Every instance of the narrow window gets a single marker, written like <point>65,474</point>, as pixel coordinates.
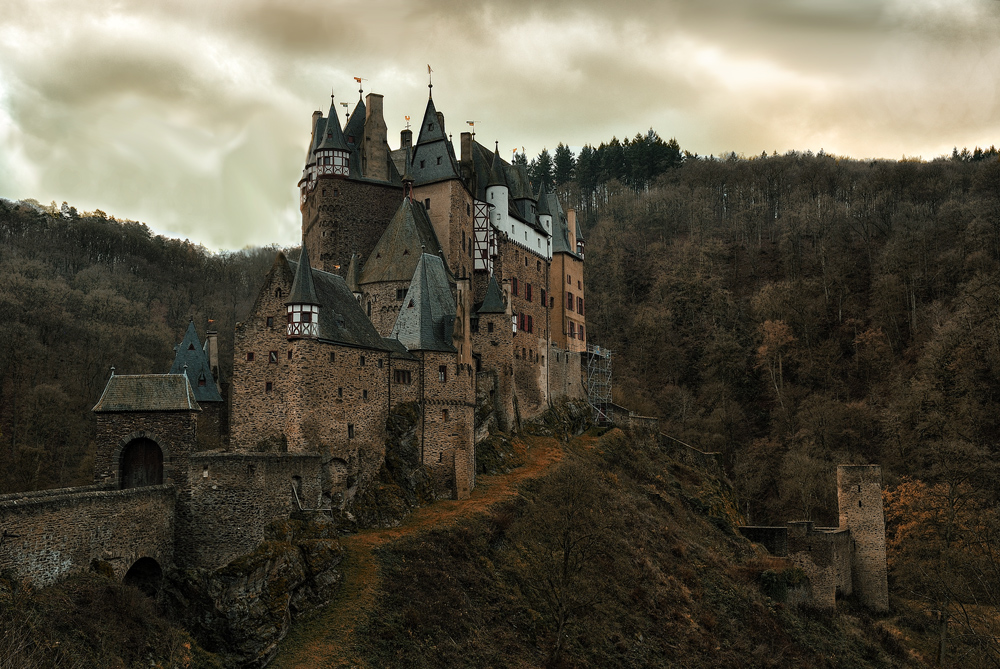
<point>364,395</point>
<point>289,354</point>
<point>350,431</point>
<point>277,293</point>
<point>513,286</point>
<point>489,326</point>
<point>250,356</point>
<point>268,387</point>
<point>378,363</point>
<point>333,357</point>
<point>272,357</point>
<point>421,164</point>
<point>439,160</point>
<point>400,294</point>
<point>468,209</point>
<point>579,305</point>
<point>569,279</point>
<point>569,301</point>
<point>572,330</point>
<point>444,414</point>
<point>579,285</point>
<point>427,204</point>
<point>369,309</point>
<point>581,333</point>
<point>443,373</point>
<point>270,321</point>
<point>340,392</point>
<point>362,361</point>
<point>543,298</point>
<point>531,327</point>
<point>201,380</point>
<point>538,265</point>
<point>527,292</point>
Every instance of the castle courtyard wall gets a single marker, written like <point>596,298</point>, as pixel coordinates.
<point>234,496</point>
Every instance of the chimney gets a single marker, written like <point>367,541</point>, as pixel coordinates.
<point>571,225</point>
<point>466,148</point>
<point>212,343</point>
<point>440,118</point>
<point>376,140</point>
<point>405,138</point>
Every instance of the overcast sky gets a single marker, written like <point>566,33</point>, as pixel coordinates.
<point>193,115</point>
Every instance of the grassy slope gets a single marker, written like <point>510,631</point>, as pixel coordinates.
<point>660,579</point>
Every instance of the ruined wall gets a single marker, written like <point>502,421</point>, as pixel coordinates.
<point>824,555</point>
<point>859,494</point>
<point>341,217</point>
<point>235,495</point>
<point>51,534</point>
<point>493,343</point>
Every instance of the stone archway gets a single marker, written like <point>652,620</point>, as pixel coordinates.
<point>145,574</point>
<point>141,464</point>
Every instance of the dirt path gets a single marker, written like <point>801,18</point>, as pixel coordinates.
<point>327,640</point>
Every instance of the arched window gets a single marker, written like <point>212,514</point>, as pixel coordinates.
<point>141,464</point>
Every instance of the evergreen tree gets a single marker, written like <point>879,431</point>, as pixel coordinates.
<point>540,170</point>
<point>565,166</point>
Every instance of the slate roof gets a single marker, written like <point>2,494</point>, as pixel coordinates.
<point>147,392</point>
<point>560,228</point>
<point>333,137</point>
<point>434,150</point>
<point>341,318</point>
<point>543,202</point>
<point>191,359</point>
<point>427,318</point>
<point>493,302</point>
<point>498,176</point>
<point>355,126</point>
<point>303,287</point>
<point>397,350</point>
<point>397,251</point>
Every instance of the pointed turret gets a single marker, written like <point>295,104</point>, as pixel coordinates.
<point>333,153</point>
<point>433,155</point>
<point>303,304</point>
<point>493,302</point>
<point>497,192</point>
<point>191,360</point>
<point>497,176</point>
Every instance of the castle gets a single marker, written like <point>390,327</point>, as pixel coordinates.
<point>447,282</point>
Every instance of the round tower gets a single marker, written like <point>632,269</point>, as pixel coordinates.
<point>497,191</point>
<point>333,154</point>
<point>302,304</point>
<point>859,493</point>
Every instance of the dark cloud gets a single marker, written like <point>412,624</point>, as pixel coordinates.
<point>193,116</point>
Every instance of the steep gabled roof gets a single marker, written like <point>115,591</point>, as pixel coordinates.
<point>493,302</point>
<point>560,228</point>
<point>427,318</point>
<point>303,287</point>
<point>398,250</point>
<point>341,318</point>
<point>355,126</point>
<point>430,128</point>
<point>191,359</point>
<point>497,172</point>
<point>147,392</point>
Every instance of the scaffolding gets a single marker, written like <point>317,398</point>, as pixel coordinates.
<point>599,382</point>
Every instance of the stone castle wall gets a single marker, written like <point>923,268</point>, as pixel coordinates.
<point>49,535</point>
<point>234,496</point>
<point>565,375</point>
<point>384,303</point>
<point>451,215</point>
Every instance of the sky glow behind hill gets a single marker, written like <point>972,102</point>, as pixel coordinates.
<point>193,116</point>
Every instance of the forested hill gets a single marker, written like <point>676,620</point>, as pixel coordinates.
<point>80,293</point>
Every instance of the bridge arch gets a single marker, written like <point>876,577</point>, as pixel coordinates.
<point>145,574</point>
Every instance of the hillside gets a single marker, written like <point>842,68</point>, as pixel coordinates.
<point>614,554</point>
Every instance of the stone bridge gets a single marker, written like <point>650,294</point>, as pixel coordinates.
<point>50,534</point>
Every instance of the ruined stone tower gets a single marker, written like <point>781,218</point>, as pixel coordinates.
<point>859,493</point>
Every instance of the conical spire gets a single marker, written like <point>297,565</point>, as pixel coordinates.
<point>333,137</point>
<point>430,128</point>
<point>493,302</point>
<point>543,201</point>
<point>303,288</point>
<point>497,177</point>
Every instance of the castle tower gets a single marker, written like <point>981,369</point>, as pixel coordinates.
<point>859,493</point>
<point>302,303</point>
<point>497,192</point>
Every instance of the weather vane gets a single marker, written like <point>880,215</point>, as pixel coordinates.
<point>360,89</point>
<point>407,122</point>
<point>473,124</point>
